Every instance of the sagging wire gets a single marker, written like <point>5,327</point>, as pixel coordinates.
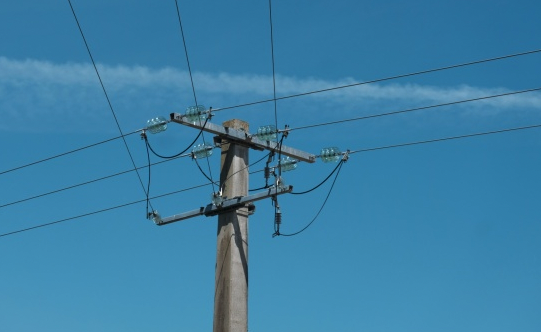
<point>154,213</point>
<point>272,170</point>
<point>203,172</point>
<point>338,169</point>
<point>278,183</point>
<point>325,180</point>
<point>267,172</point>
<point>144,136</point>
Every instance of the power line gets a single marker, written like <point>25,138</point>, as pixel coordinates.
<point>273,70</point>
<point>416,109</point>
<point>339,168</point>
<point>320,184</point>
<point>67,153</point>
<point>447,138</point>
<point>383,79</point>
<point>297,128</point>
<point>85,183</point>
<point>113,207</point>
<point>318,91</point>
<point>350,152</point>
<point>107,97</point>
<point>98,211</point>
<point>191,79</point>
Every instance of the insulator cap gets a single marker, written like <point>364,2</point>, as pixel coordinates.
<point>157,125</point>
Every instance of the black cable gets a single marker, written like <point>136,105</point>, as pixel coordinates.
<point>180,153</point>
<point>351,152</point>
<point>447,138</point>
<point>292,96</point>
<point>107,97</point>
<point>203,172</point>
<point>322,206</point>
<point>417,108</point>
<point>273,70</point>
<point>80,184</point>
<point>67,153</point>
<point>242,169</point>
<point>322,182</point>
<point>99,211</point>
<point>148,183</point>
<point>382,79</point>
<point>191,80</point>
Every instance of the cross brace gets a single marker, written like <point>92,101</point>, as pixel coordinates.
<point>241,137</point>
<point>228,204</point>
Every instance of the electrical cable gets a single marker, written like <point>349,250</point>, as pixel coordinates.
<point>273,68</point>
<point>447,138</point>
<point>107,97</point>
<point>203,172</point>
<point>242,169</point>
<point>143,134</point>
<point>278,180</point>
<point>98,211</point>
<point>340,164</point>
<point>67,153</point>
<point>292,96</point>
<point>178,154</point>
<point>417,109</point>
<point>351,152</point>
<point>85,183</point>
<point>229,177</point>
<point>298,128</point>
<point>319,185</point>
<point>389,78</point>
<point>191,80</point>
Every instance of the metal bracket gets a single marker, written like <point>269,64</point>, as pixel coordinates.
<point>227,205</point>
<point>244,138</point>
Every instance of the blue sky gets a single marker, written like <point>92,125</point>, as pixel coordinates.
<point>430,237</point>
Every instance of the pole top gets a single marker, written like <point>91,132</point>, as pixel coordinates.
<point>237,124</point>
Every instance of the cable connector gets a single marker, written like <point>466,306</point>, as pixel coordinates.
<point>217,198</point>
<point>285,132</point>
<point>345,157</point>
<point>143,134</point>
<point>278,217</point>
<point>155,216</point>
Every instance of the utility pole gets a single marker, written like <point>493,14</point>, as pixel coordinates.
<point>231,284</point>
<point>231,280</point>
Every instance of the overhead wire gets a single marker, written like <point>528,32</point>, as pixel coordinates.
<point>349,152</point>
<point>364,117</point>
<point>98,211</point>
<point>339,168</point>
<point>290,129</point>
<point>447,138</point>
<point>66,153</point>
<point>177,154</point>
<point>388,78</point>
<point>86,183</point>
<point>191,79</point>
<point>314,92</point>
<point>320,184</point>
<point>295,128</point>
<point>107,97</point>
<point>273,67</point>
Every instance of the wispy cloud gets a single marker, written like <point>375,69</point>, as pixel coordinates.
<point>32,89</point>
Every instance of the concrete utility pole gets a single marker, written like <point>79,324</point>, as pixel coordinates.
<point>231,294</point>
<point>231,281</point>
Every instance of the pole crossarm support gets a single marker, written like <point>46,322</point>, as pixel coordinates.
<point>245,138</point>
<point>227,205</point>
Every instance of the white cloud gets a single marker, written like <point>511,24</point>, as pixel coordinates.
<point>30,88</point>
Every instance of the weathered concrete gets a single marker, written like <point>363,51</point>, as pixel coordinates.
<point>231,283</point>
